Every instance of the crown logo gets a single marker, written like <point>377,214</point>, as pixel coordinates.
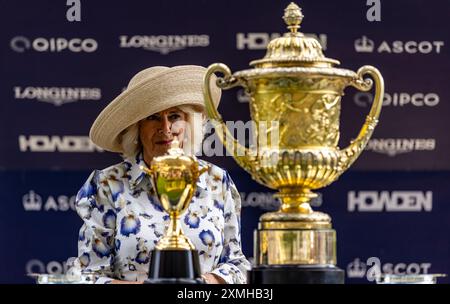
<point>356,269</point>
<point>364,45</point>
<point>32,201</point>
<point>57,101</point>
<point>242,96</point>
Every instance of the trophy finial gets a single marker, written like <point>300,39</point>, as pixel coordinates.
<point>293,48</point>
<point>175,149</point>
<point>293,17</point>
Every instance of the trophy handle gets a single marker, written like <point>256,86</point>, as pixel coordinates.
<point>351,153</point>
<point>146,170</point>
<point>203,170</point>
<point>239,152</point>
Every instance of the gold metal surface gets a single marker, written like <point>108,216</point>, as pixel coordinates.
<point>299,89</point>
<point>292,247</point>
<point>174,177</point>
<point>294,47</point>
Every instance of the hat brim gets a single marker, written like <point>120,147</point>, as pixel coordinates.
<point>181,85</point>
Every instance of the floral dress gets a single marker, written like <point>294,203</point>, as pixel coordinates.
<point>123,220</point>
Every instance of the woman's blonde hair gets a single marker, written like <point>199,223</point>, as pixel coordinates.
<point>192,142</point>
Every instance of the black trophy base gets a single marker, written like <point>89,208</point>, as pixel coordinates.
<point>174,267</point>
<point>295,274</point>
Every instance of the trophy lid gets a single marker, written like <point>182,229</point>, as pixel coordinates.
<point>294,49</point>
<point>174,156</point>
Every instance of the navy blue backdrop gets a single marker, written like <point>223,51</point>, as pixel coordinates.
<point>57,75</point>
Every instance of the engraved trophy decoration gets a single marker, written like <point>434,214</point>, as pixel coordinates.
<point>299,89</point>
<point>174,177</point>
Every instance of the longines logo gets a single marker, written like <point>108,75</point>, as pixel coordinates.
<point>266,200</point>
<point>259,41</point>
<point>365,99</point>
<point>366,45</point>
<point>263,200</point>
<point>21,44</point>
<point>45,143</point>
<point>33,202</point>
<point>395,146</point>
<point>57,95</point>
<point>373,268</point>
<point>389,201</point>
<point>164,44</point>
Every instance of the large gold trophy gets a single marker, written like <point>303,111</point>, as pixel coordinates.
<point>174,177</point>
<point>295,100</point>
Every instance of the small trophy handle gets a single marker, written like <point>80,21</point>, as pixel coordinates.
<point>146,170</point>
<point>203,170</point>
<point>239,152</point>
<point>351,153</point>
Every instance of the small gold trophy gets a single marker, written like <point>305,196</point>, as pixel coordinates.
<point>295,100</point>
<point>174,177</point>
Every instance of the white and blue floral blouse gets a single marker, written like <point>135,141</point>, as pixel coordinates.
<point>123,220</point>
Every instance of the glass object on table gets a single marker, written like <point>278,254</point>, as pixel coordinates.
<point>45,278</point>
<point>408,278</point>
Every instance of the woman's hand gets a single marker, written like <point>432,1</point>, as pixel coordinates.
<point>211,278</point>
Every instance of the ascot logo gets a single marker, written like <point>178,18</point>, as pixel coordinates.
<point>33,202</point>
<point>395,146</point>
<point>360,269</point>
<point>54,143</point>
<point>259,41</point>
<point>57,95</point>
<point>164,44</point>
<point>389,201</point>
<point>365,99</point>
<point>21,44</point>
<point>366,45</point>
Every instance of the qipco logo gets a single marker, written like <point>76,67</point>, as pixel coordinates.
<point>52,267</point>
<point>21,44</point>
<point>364,99</point>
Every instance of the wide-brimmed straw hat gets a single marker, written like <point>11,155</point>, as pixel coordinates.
<point>150,91</point>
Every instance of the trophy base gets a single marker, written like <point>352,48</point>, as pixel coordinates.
<point>174,267</point>
<point>296,274</point>
<point>295,246</point>
<point>295,239</point>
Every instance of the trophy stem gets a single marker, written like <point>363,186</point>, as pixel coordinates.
<point>174,226</point>
<point>294,200</point>
<point>174,238</point>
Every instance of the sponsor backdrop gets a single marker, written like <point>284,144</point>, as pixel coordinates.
<point>392,207</point>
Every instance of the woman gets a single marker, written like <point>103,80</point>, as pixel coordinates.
<point>123,219</point>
